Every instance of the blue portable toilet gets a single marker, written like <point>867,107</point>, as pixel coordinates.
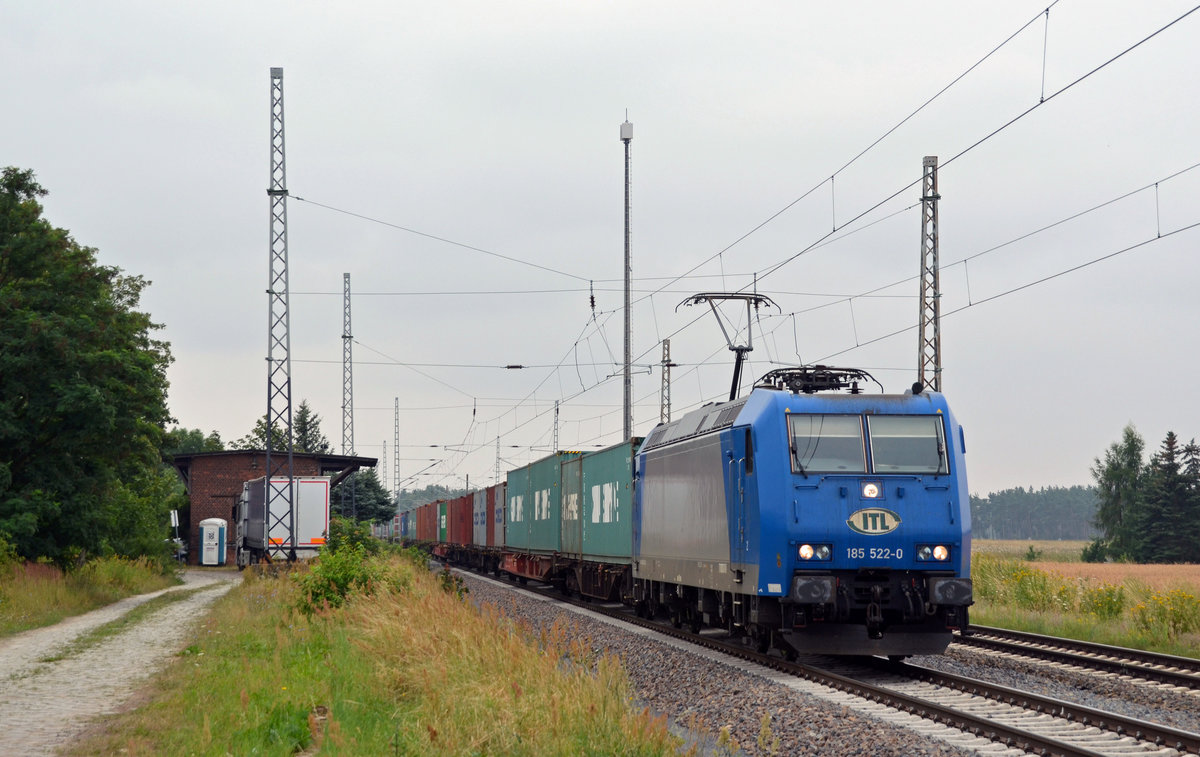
<point>212,541</point>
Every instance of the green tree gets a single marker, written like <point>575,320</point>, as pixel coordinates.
<point>1119,488</point>
<point>306,430</point>
<point>1191,473</point>
<point>1166,517</point>
<point>361,497</point>
<point>82,390</point>
<point>185,441</point>
<point>257,438</point>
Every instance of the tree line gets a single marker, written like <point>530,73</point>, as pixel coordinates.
<point>1149,510</point>
<point>1048,513</point>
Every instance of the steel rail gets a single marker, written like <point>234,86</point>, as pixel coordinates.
<point>979,726</point>
<point>1160,735</point>
<point>1151,666</point>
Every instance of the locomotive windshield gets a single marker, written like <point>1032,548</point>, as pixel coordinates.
<point>908,444</point>
<point>827,444</point>
<point>898,444</point>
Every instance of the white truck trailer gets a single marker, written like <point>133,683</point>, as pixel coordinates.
<point>310,505</point>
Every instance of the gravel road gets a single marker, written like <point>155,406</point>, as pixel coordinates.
<point>46,704</point>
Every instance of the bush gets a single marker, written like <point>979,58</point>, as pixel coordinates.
<point>1097,551</point>
<point>345,533</point>
<point>1105,601</point>
<point>334,575</point>
<point>1167,614</point>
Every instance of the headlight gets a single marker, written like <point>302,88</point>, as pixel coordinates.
<point>815,551</point>
<point>870,490</point>
<point>933,553</point>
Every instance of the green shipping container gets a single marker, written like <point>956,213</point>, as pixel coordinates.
<point>572,505</point>
<point>606,515</point>
<point>534,519</point>
<point>442,522</point>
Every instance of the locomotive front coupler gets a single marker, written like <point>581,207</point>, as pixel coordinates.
<point>875,614</point>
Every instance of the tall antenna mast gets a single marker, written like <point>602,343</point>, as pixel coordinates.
<point>929,354</point>
<point>281,519</point>
<point>627,137</point>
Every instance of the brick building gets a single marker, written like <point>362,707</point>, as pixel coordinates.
<point>214,482</point>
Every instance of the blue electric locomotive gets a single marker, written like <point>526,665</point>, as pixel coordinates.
<point>835,523</point>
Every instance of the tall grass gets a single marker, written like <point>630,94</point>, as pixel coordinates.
<point>402,667</point>
<point>1014,594</point>
<point>33,595</point>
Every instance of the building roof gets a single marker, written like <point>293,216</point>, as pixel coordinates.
<point>337,466</point>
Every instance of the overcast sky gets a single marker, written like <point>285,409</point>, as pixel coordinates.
<point>495,126</point>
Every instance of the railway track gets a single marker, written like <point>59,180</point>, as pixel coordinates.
<point>1016,719</point>
<point>1180,672</point>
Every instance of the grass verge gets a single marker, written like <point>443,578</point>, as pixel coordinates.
<point>1016,594</point>
<point>34,595</point>
<point>406,666</point>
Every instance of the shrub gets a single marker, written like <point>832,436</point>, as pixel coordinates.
<point>346,533</point>
<point>1097,551</point>
<point>1105,601</point>
<point>1167,615</point>
<point>334,575</point>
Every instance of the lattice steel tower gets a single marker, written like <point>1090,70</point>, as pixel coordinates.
<point>929,355</point>
<point>281,525</point>
<point>347,372</point>
<point>664,395</point>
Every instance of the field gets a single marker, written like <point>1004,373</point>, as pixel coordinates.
<point>1041,586</point>
<point>1062,557</point>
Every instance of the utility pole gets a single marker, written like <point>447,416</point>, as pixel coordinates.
<point>348,388</point>
<point>281,518</point>
<point>627,137</point>
<point>383,471</point>
<point>664,396</point>
<point>929,354</point>
<point>396,453</point>
<point>555,442</point>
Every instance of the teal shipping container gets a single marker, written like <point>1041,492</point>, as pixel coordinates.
<point>606,497</point>
<point>534,518</point>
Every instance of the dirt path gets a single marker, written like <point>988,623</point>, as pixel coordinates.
<point>43,705</point>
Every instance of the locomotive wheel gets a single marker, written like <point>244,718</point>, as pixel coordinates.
<point>762,639</point>
<point>695,623</point>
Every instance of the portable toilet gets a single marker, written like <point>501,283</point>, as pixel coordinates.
<point>212,541</point>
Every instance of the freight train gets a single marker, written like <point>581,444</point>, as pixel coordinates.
<point>808,516</point>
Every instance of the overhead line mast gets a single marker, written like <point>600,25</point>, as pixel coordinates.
<point>929,355</point>
<point>281,522</point>
<point>348,392</point>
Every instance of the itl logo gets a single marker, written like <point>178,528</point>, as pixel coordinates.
<point>873,521</point>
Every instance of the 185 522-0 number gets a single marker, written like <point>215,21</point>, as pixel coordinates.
<point>875,553</point>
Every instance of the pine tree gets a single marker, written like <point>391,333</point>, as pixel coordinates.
<point>1165,517</point>
<point>306,427</point>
